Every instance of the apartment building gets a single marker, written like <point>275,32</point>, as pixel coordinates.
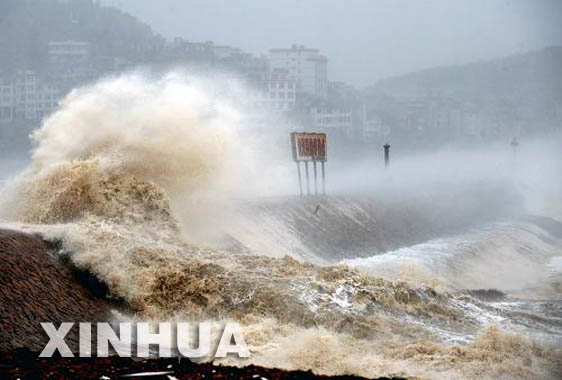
<point>307,65</point>
<point>328,118</point>
<point>68,54</point>
<point>24,96</point>
<point>279,90</point>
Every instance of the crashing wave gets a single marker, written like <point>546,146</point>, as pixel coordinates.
<point>130,170</point>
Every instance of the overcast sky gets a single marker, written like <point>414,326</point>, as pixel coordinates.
<point>364,40</point>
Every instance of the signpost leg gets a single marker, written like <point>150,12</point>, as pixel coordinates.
<point>315,179</point>
<point>323,180</point>
<point>307,181</point>
<point>300,179</point>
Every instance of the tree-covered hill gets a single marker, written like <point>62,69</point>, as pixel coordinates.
<point>26,27</point>
<point>527,78</point>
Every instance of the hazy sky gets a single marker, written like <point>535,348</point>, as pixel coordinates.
<point>364,40</point>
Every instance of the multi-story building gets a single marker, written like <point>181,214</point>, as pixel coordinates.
<point>223,51</point>
<point>71,63</point>
<point>184,49</point>
<point>307,65</point>
<point>25,86</point>
<point>46,100</point>
<point>278,90</point>
<point>7,100</point>
<point>335,119</point>
<point>68,54</point>
<point>24,96</point>
<point>373,128</point>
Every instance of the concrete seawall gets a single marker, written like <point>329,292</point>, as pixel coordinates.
<point>328,229</point>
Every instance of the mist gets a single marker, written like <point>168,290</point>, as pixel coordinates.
<point>365,40</point>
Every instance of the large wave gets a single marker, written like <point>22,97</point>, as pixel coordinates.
<point>131,174</point>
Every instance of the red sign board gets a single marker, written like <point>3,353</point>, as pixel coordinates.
<point>309,146</point>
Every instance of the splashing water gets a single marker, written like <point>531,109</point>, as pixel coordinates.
<point>129,173</point>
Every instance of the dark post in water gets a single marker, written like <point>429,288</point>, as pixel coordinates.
<point>514,145</point>
<point>386,154</point>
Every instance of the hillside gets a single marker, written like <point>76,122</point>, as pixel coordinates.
<point>528,77</point>
<point>26,27</point>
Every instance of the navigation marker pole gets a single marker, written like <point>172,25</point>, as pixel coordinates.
<point>386,154</point>
<point>514,145</point>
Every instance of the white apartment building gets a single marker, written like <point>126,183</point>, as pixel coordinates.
<point>222,51</point>
<point>203,49</point>
<point>374,128</point>
<point>308,66</point>
<point>278,91</point>
<point>7,101</point>
<point>23,96</point>
<point>68,54</point>
<point>327,118</point>
<point>46,100</point>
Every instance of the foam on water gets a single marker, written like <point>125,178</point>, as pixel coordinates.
<point>509,256</point>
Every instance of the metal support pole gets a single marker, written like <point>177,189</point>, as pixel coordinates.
<point>315,179</point>
<point>307,181</point>
<point>323,180</point>
<point>300,179</point>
